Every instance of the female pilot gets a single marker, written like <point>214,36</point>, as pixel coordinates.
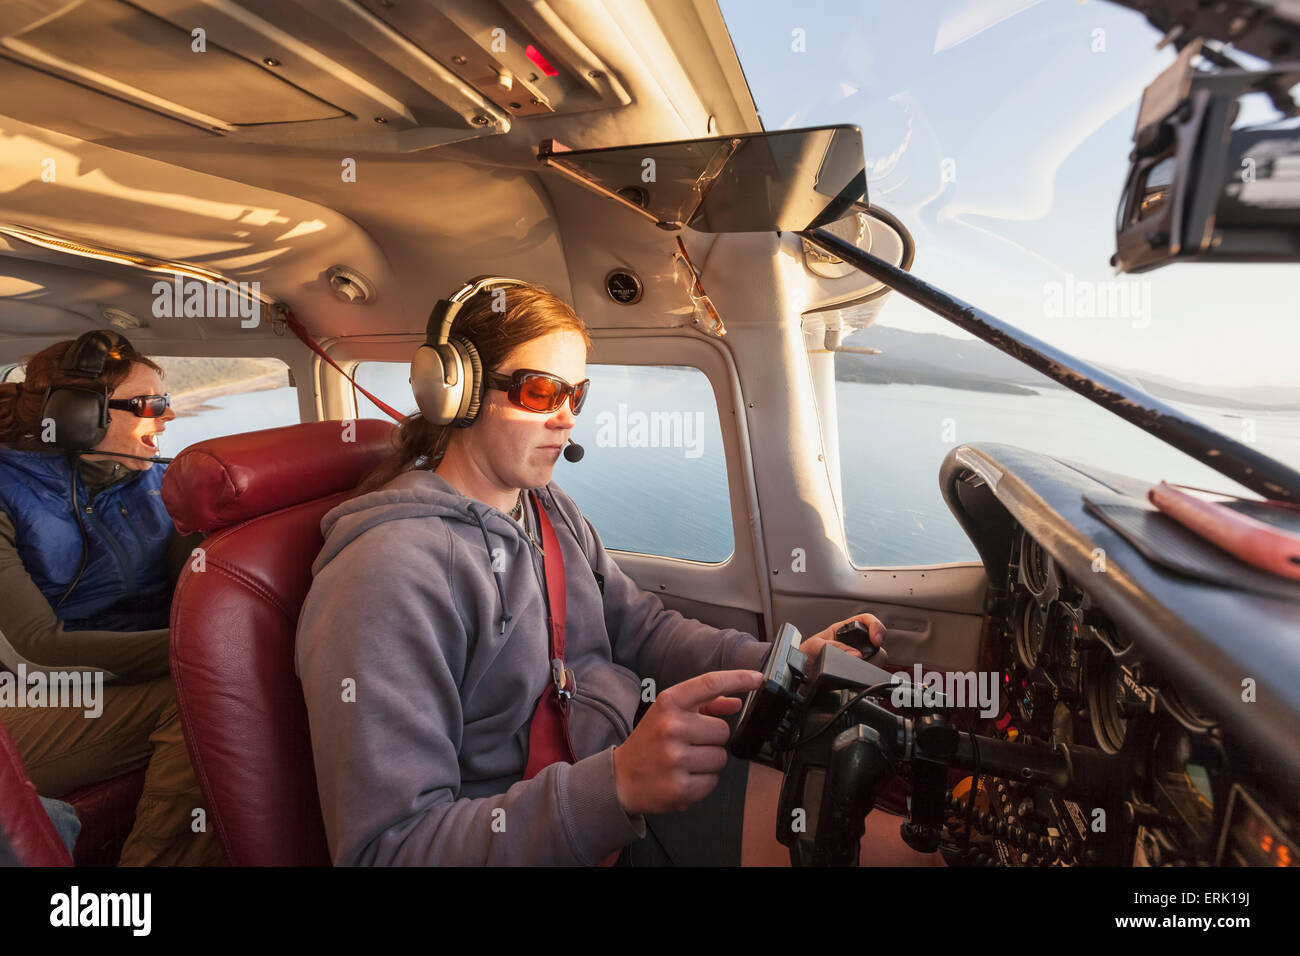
<point>83,543</point>
<point>430,675</point>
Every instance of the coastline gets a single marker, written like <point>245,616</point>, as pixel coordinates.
<point>196,400</point>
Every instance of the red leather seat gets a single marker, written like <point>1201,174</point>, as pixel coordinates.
<point>107,813</point>
<point>261,497</point>
<point>24,825</point>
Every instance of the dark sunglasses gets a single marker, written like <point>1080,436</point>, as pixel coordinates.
<point>537,391</point>
<point>143,406</point>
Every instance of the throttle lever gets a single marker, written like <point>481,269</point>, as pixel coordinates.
<point>858,636</point>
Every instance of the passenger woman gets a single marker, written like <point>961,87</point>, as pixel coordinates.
<point>431,678</point>
<point>83,569</point>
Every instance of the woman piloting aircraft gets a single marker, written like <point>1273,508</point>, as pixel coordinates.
<point>83,570</point>
<point>449,723</point>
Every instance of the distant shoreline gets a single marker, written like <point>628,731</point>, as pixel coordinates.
<point>1224,405</point>
<point>196,400</point>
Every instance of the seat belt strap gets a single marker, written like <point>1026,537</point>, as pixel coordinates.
<point>548,738</point>
<point>304,336</point>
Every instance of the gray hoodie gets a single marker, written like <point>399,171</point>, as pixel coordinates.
<point>422,649</point>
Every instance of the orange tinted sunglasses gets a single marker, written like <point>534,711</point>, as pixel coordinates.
<point>537,391</point>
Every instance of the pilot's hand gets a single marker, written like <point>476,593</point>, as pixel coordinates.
<point>813,645</point>
<point>675,753</point>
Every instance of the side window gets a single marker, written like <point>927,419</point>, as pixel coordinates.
<point>387,381</point>
<point>224,396</point>
<point>654,476</point>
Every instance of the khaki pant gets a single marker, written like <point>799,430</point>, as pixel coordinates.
<point>62,750</point>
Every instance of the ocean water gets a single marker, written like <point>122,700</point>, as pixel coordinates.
<point>673,500</point>
<point>894,437</point>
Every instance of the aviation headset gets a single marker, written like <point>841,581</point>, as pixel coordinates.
<point>446,372</point>
<point>80,412</point>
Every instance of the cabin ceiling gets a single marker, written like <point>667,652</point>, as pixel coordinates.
<point>117,132</point>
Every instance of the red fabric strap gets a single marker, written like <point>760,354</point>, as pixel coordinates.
<point>297,328</point>
<point>548,737</point>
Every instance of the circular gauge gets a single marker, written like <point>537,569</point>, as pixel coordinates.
<point>1037,569</point>
<point>1105,704</point>
<point>623,287</point>
<point>1031,628</point>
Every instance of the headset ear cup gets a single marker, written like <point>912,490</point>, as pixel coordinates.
<point>438,382</point>
<point>80,416</point>
<point>474,386</point>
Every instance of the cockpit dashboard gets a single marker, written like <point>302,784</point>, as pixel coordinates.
<point>1186,692</point>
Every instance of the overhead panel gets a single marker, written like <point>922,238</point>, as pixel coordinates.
<point>363,74</point>
<point>382,75</point>
<point>119,49</point>
<point>519,52</point>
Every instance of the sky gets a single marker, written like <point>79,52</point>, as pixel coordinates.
<point>998,131</point>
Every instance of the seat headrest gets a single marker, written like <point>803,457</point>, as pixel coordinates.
<point>222,481</point>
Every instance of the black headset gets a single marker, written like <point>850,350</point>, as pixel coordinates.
<point>446,372</point>
<point>80,412</point>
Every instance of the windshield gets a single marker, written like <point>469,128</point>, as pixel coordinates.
<point>998,131</point>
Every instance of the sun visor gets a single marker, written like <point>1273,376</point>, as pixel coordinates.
<point>788,180</point>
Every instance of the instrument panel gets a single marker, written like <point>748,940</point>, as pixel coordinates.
<point>1165,783</point>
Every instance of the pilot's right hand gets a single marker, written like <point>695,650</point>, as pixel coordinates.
<point>674,755</point>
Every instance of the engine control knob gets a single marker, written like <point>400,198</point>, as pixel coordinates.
<point>858,636</point>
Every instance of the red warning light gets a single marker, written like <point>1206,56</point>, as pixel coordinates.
<point>540,61</point>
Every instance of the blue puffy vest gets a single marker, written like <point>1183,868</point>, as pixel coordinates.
<point>124,586</point>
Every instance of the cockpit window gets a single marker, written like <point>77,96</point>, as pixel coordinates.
<point>999,133</point>
<point>214,397</point>
<point>654,476</point>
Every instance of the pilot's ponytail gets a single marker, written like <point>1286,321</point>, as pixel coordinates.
<point>530,313</point>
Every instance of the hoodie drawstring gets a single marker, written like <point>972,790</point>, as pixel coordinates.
<point>501,589</point>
